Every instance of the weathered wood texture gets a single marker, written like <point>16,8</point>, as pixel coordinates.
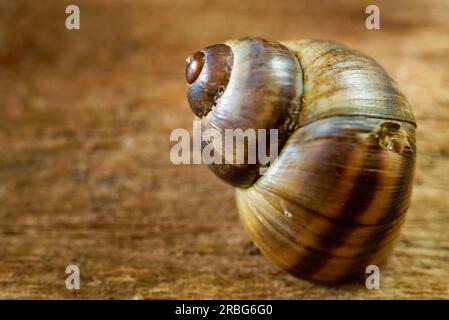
<point>85,176</point>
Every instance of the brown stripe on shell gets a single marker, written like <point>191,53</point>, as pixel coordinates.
<point>301,231</point>
<point>392,212</point>
<point>398,200</point>
<point>331,246</point>
<point>332,143</point>
<point>354,267</point>
<point>321,156</point>
<point>292,252</point>
<point>319,175</point>
<point>362,194</point>
<point>400,194</point>
<point>282,250</point>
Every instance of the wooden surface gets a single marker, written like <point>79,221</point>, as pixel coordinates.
<point>85,176</point>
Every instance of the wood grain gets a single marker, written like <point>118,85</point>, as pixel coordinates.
<point>85,176</point>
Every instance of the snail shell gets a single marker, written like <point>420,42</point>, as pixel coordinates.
<point>334,200</point>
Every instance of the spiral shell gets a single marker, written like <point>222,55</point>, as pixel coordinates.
<point>335,198</point>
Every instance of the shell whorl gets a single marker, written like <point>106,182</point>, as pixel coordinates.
<point>334,200</point>
<point>261,90</point>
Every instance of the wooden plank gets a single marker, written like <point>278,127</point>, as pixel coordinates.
<point>85,176</point>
